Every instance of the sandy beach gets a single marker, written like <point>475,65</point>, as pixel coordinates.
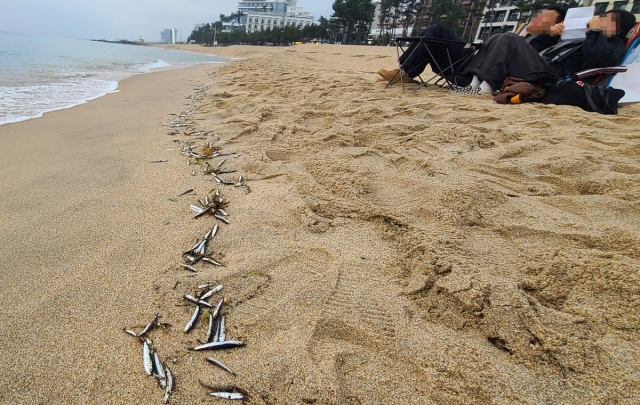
<point>387,247</point>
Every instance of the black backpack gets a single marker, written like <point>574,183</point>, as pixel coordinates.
<point>559,91</point>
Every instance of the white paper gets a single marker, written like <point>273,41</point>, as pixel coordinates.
<point>628,81</point>
<point>575,23</point>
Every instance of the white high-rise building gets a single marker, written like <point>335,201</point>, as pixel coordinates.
<point>168,36</point>
<point>260,15</point>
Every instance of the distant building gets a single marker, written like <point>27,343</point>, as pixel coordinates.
<point>259,15</point>
<point>632,6</point>
<point>168,36</point>
<point>502,18</point>
<point>376,29</point>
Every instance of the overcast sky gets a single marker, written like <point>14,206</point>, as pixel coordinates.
<point>121,19</point>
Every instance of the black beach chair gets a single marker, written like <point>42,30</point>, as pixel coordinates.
<point>447,73</point>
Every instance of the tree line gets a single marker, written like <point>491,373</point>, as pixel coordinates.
<point>352,20</point>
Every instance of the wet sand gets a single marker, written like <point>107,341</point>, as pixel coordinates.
<point>390,247</point>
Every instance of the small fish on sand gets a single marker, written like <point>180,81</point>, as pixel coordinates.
<point>219,364</point>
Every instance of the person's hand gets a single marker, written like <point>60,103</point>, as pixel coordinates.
<point>595,23</point>
<point>557,29</point>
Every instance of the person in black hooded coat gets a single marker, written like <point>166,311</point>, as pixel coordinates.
<point>504,56</point>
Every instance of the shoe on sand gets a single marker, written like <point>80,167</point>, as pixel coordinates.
<point>390,75</point>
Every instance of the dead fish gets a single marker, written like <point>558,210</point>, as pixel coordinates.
<point>186,192</point>
<point>221,218</point>
<point>211,261</point>
<point>160,374</point>
<point>222,212</point>
<point>190,268</point>
<point>240,182</point>
<point>146,358</point>
<point>229,344</point>
<point>130,332</point>
<point>221,162</point>
<point>210,235</point>
<point>220,334</point>
<point>212,327</point>
<point>216,312</point>
<point>194,259</point>
<point>186,252</point>
<point>197,301</point>
<point>204,211</point>
<point>193,172</point>
<point>217,193</point>
<point>211,292</point>
<point>193,320</point>
<point>219,180</point>
<point>197,209</point>
<point>171,384</point>
<point>202,247</point>
<point>224,388</point>
<point>227,395</point>
<point>149,326</point>
<point>206,200</point>
<point>159,161</point>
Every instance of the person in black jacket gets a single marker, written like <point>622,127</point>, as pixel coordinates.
<point>504,56</point>
<point>543,31</point>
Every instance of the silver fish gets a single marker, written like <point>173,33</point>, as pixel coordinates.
<point>171,384</point>
<point>221,162</point>
<point>227,395</point>
<point>206,200</point>
<point>204,211</point>
<point>197,301</point>
<point>217,193</point>
<point>194,259</point>
<point>146,358</point>
<point>212,327</point>
<point>186,252</point>
<point>220,335</point>
<point>221,218</point>
<point>202,202</point>
<point>211,292</point>
<point>130,332</point>
<point>208,235</point>
<point>216,311</point>
<point>222,366</point>
<point>229,344</point>
<point>203,247</point>
<point>213,232</point>
<point>211,261</point>
<point>149,326</point>
<point>223,212</point>
<point>197,209</point>
<point>193,320</point>
<point>186,266</point>
<point>160,374</point>
<point>240,182</point>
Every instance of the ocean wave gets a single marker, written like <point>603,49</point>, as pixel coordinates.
<point>26,102</point>
<point>148,67</point>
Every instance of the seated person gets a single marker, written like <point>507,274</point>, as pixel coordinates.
<point>506,55</point>
<point>542,32</point>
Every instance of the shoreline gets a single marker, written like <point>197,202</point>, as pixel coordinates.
<point>389,247</point>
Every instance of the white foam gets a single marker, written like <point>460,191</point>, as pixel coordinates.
<point>27,102</point>
<point>148,67</point>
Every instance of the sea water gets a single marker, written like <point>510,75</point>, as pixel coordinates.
<point>40,74</point>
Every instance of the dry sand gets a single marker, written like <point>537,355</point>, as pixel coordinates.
<point>409,248</point>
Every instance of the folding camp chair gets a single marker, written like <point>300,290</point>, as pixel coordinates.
<point>448,74</point>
